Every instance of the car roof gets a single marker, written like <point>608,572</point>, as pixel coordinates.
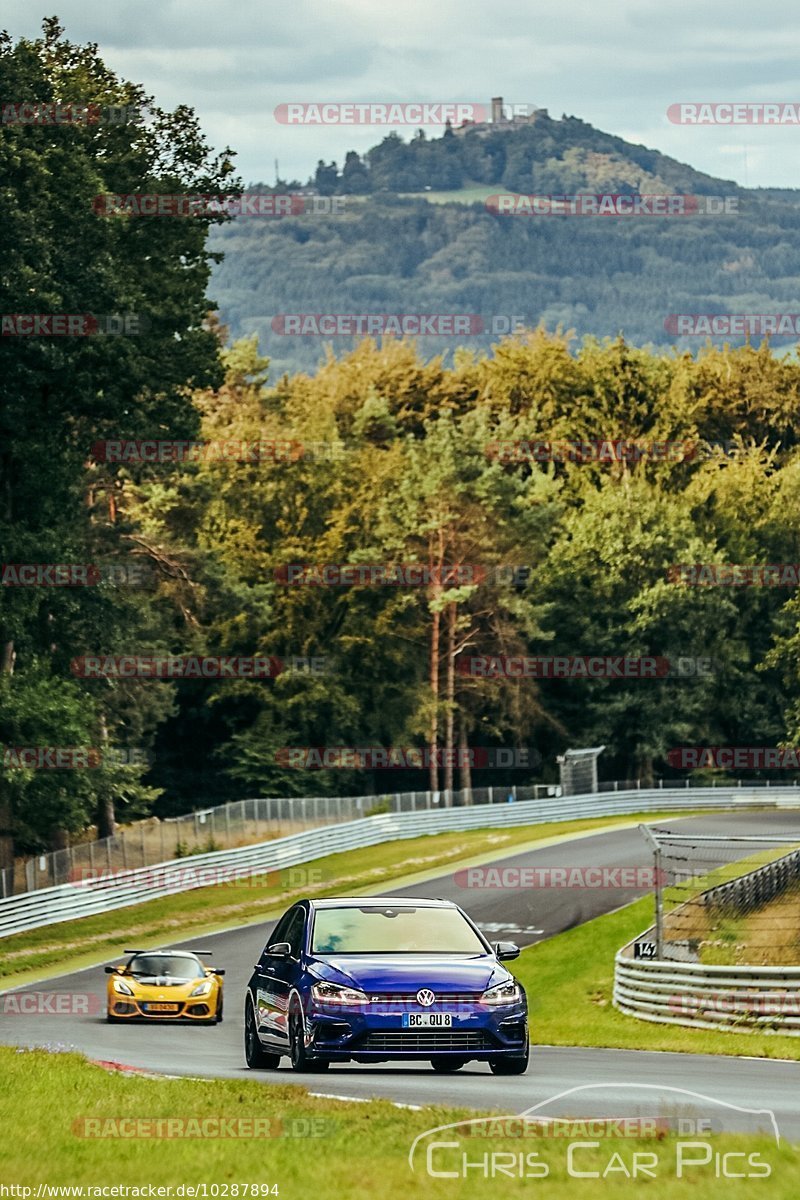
<point>381,902</point>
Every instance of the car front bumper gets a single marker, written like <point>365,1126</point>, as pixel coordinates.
<point>365,1036</point>
<point>130,1008</point>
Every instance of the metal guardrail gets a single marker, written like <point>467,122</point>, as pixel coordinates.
<point>736,998</point>
<point>242,822</point>
<point>119,889</point>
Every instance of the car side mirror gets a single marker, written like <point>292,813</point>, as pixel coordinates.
<point>220,972</point>
<point>113,970</point>
<point>279,950</point>
<point>506,950</point>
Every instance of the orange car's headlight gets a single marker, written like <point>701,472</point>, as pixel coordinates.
<point>202,989</point>
<point>121,986</point>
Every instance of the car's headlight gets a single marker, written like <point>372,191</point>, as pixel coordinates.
<point>202,989</point>
<point>121,986</point>
<point>334,993</point>
<point>502,993</point>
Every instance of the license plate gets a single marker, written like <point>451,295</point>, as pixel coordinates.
<point>427,1021</point>
<point>162,1007</point>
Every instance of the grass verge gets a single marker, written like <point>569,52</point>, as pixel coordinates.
<point>70,945</point>
<point>304,1144</point>
<point>570,980</point>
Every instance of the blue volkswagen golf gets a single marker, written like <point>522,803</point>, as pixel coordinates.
<point>384,980</point>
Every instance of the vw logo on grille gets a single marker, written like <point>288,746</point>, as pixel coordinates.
<point>425,997</point>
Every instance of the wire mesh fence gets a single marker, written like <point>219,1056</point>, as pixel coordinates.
<point>725,901</point>
<point>241,823</point>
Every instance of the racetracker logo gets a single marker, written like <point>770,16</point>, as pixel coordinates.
<point>514,204</point>
<point>182,879</point>
<point>161,451</point>
<point>735,575</point>
<point>244,204</point>
<point>383,758</point>
<point>376,113</point>
<point>72,324</point>
<point>599,449</point>
<point>396,574</point>
<point>735,113</point>
<point>49,1004</point>
<point>739,1004</point>
<point>169,667</point>
<point>744,758</point>
<point>36,113</point>
<point>71,758</point>
<point>488,666</point>
<point>377,324</point>
<point>193,1128</point>
<point>733,324</point>
<point>518,878</point>
<point>134,574</point>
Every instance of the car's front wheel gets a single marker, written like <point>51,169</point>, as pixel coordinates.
<point>254,1054</point>
<point>300,1058</point>
<point>445,1065</point>
<point>511,1065</point>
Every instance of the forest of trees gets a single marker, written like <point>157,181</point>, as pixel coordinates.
<point>392,464</point>
<point>600,276</point>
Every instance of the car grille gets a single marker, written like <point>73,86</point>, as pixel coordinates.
<point>426,1039</point>
<point>410,998</point>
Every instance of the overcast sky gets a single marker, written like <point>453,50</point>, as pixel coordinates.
<point>617,65</point>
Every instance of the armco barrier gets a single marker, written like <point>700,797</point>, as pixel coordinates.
<point>736,999</point>
<point>88,897</point>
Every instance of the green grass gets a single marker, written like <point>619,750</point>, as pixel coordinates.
<point>359,1151</point>
<point>472,193</point>
<point>71,945</point>
<point>570,978</point>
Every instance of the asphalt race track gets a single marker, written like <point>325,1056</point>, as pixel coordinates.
<point>524,915</point>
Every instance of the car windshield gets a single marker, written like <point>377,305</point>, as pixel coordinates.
<point>377,929</point>
<point>173,966</point>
